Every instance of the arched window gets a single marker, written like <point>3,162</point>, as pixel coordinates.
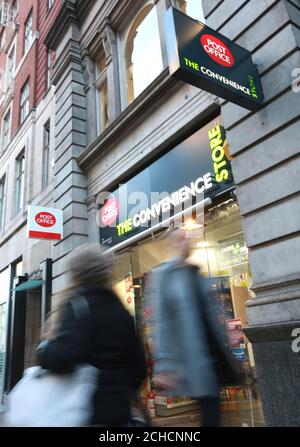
<point>143,56</point>
<point>192,8</point>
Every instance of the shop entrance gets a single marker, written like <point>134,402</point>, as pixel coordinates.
<point>219,250</point>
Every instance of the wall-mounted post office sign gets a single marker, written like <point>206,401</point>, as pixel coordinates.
<point>206,59</point>
<point>44,223</point>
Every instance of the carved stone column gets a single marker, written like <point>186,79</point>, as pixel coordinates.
<point>90,91</point>
<point>109,42</point>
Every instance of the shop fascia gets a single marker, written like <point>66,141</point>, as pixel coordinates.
<point>180,201</point>
<point>133,209</point>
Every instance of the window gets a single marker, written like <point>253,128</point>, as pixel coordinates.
<point>46,155</point>
<point>143,56</point>
<point>102,97</point>
<point>2,90</point>
<point>6,130</point>
<point>3,34</point>
<point>192,8</point>
<point>10,68</point>
<point>103,106</point>
<point>2,202</point>
<point>15,9</point>
<point>20,166</point>
<point>18,267</point>
<point>49,67</point>
<point>28,33</point>
<point>50,3</point>
<point>24,105</point>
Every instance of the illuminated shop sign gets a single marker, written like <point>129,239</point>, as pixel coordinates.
<point>206,59</point>
<point>166,204</point>
<point>199,167</point>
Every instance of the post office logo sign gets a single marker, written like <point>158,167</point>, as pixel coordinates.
<point>217,50</point>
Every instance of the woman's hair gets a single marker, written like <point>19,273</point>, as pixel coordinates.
<point>88,267</point>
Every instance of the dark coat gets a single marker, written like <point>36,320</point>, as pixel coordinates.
<point>105,338</point>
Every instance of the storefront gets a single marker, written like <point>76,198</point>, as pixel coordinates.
<point>190,187</point>
<point>24,303</point>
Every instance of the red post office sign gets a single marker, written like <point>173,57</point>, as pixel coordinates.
<point>44,223</point>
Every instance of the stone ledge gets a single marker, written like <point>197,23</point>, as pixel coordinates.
<point>141,107</point>
<point>271,332</point>
<point>65,17</point>
<point>280,289</point>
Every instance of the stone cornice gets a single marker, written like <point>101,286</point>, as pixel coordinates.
<point>285,281</point>
<point>271,332</point>
<point>121,11</point>
<point>83,8</point>
<point>143,105</point>
<point>281,289</point>
<point>66,16</point>
<point>70,54</point>
<point>91,202</point>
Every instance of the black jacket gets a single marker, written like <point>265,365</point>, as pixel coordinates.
<point>105,338</point>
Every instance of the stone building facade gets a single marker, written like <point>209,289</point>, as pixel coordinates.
<point>90,159</point>
<point>26,176</point>
<point>109,126</point>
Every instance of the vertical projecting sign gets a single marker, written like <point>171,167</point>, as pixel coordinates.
<point>44,223</point>
<point>206,59</point>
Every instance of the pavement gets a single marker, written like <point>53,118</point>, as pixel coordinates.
<point>234,414</point>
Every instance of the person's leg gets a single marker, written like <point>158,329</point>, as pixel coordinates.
<point>210,407</point>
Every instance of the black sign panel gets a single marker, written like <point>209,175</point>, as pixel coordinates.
<point>206,59</point>
<point>201,163</point>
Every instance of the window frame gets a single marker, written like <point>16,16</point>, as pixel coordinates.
<point>24,103</point>
<point>28,33</point>
<point>46,154</point>
<point>50,4</point>
<point>49,69</point>
<point>15,8</point>
<point>20,180</point>
<point>2,201</point>
<point>2,37</point>
<point>7,78</point>
<point>101,84</point>
<point>124,41</point>
<point>4,131</point>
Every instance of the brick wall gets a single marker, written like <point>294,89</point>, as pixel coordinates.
<point>24,67</point>
<point>45,20</point>
<point>34,65</point>
<point>26,72</point>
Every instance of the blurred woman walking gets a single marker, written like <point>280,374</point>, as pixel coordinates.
<point>91,326</point>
